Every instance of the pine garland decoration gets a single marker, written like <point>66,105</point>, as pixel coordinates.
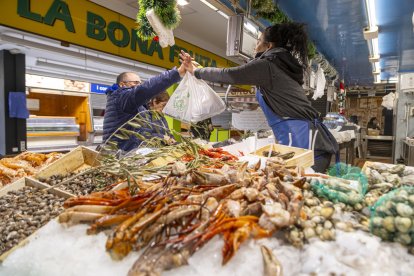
<point>267,9</point>
<point>166,10</point>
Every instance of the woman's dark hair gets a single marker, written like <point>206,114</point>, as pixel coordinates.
<point>372,119</point>
<point>291,36</point>
<point>162,97</point>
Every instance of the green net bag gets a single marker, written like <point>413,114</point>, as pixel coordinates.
<point>392,216</point>
<point>337,190</point>
<point>348,184</point>
<point>349,172</point>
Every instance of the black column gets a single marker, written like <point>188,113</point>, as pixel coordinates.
<point>12,79</point>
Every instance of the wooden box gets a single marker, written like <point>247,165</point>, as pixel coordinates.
<point>373,132</point>
<point>77,160</point>
<point>303,158</point>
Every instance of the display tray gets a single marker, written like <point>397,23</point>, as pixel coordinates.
<point>51,133</point>
<point>77,160</point>
<point>371,163</point>
<point>17,185</point>
<point>302,158</point>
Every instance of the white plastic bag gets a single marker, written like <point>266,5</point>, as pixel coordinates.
<point>165,35</point>
<point>320,84</point>
<point>193,101</point>
<point>388,101</point>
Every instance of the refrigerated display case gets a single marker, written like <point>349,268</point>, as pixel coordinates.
<point>44,131</point>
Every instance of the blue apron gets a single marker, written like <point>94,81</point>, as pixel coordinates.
<point>289,131</point>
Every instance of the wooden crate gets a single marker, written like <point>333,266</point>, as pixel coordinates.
<point>77,160</point>
<point>17,185</point>
<point>303,158</point>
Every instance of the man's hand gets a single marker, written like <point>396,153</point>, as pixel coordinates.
<point>187,62</point>
<point>181,70</point>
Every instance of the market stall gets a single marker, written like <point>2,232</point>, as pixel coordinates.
<point>262,217</point>
<point>270,199</point>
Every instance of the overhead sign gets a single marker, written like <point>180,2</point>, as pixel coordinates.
<point>35,81</point>
<point>87,24</point>
<point>99,88</point>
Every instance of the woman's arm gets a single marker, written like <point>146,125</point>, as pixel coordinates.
<point>256,72</point>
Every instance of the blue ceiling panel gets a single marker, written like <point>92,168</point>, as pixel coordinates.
<point>396,38</point>
<point>336,27</point>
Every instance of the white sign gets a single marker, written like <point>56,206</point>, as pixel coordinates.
<point>330,93</point>
<point>44,82</point>
<point>250,120</point>
<point>407,82</point>
<point>33,104</point>
<point>36,81</point>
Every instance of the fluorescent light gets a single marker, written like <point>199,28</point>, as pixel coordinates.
<point>393,79</point>
<point>375,50</point>
<point>66,68</point>
<point>376,66</point>
<point>182,2</point>
<point>211,6</point>
<point>372,17</point>
<point>251,27</point>
<point>223,14</point>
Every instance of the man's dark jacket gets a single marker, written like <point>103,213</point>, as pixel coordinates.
<point>125,103</point>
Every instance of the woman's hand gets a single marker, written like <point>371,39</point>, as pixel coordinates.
<point>187,62</point>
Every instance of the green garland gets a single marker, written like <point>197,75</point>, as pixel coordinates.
<point>165,9</point>
<point>267,10</point>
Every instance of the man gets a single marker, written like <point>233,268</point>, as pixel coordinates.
<point>128,97</point>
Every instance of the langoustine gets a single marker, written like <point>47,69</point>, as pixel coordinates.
<point>188,209</point>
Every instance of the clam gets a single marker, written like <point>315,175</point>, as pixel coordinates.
<point>398,169</point>
<point>309,233</point>
<point>404,210</point>
<point>376,177</point>
<point>318,219</point>
<point>308,224</point>
<point>404,239</point>
<point>319,229</point>
<point>327,212</point>
<point>346,227</point>
<point>327,225</point>
<point>358,207</point>
<point>388,224</point>
<point>382,233</point>
<point>411,199</point>
<point>402,224</point>
<point>312,201</point>
<point>23,212</point>
<point>393,178</point>
<point>327,234</point>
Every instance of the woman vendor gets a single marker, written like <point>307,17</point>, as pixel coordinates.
<point>277,72</point>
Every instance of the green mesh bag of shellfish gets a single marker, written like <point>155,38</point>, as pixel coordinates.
<point>347,184</point>
<point>349,172</point>
<point>392,216</point>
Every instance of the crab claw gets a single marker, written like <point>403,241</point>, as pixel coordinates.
<point>272,266</point>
